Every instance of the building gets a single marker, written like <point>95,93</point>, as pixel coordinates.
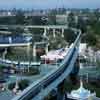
<point>62,19</point>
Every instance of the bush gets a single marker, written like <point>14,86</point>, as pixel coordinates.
<point>11,86</point>
<point>23,84</point>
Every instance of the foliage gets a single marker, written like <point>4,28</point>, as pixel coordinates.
<point>23,84</point>
<point>71,20</point>
<point>91,39</point>
<point>11,86</point>
<point>57,41</point>
<point>19,17</point>
<point>81,25</point>
<point>69,36</point>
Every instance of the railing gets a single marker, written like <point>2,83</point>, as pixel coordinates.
<point>15,44</point>
<point>35,88</point>
<point>24,64</point>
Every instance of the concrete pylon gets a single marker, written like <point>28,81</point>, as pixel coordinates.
<point>45,32</point>
<point>34,51</point>
<point>75,71</point>
<point>60,90</point>
<point>46,48</point>
<point>62,35</point>
<point>54,34</point>
<point>4,53</point>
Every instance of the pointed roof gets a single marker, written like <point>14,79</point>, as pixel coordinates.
<point>81,92</point>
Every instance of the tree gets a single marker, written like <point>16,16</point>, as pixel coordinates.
<point>82,25</point>
<point>71,20</point>
<point>19,17</point>
<point>69,36</point>
<point>92,40</point>
<point>23,84</point>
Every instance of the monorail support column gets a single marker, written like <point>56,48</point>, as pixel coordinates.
<point>62,35</point>
<point>58,92</point>
<point>61,90</point>
<point>74,73</point>
<point>45,32</point>
<point>4,54</point>
<point>28,55</point>
<point>46,48</point>
<point>34,52</point>
<point>54,34</point>
<point>52,95</point>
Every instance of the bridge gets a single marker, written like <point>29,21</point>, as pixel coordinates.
<point>44,27</point>
<point>37,26</point>
<point>42,87</point>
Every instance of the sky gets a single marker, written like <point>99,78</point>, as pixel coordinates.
<point>45,4</point>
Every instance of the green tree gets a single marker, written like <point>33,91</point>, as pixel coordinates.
<point>69,36</point>
<point>82,24</point>
<point>71,20</point>
<point>23,84</point>
<point>19,17</point>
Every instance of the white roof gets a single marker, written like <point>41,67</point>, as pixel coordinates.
<point>82,47</point>
<point>55,54</point>
<point>81,93</point>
